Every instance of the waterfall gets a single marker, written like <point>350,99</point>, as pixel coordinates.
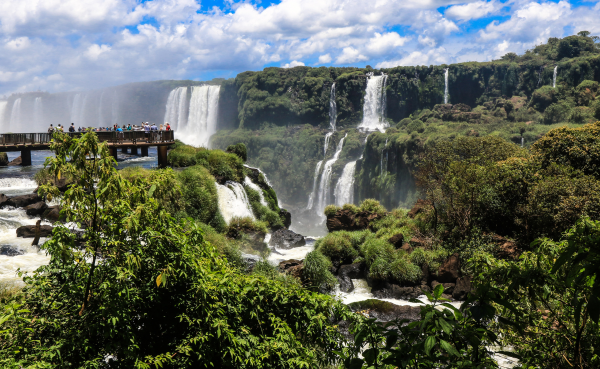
<point>332,109</point>
<point>37,113</point>
<point>374,109</point>
<point>313,194</point>
<point>2,113</point>
<point>76,109</point>
<point>175,110</point>
<point>15,116</point>
<point>233,201</point>
<point>384,98</point>
<point>248,182</point>
<point>522,141</point>
<point>554,77</point>
<point>202,120</point>
<point>344,190</point>
<point>446,71</point>
<point>114,108</point>
<point>100,111</point>
<point>381,159</point>
<point>327,137</point>
<point>325,183</point>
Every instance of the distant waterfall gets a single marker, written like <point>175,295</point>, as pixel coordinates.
<point>202,120</point>
<point>327,137</point>
<point>374,107</point>
<point>114,108</point>
<point>76,109</point>
<point>325,184</point>
<point>100,111</point>
<point>38,113</point>
<point>554,77</point>
<point>248,182</point>
<point>175,111</point>
<point>446,71</point>
<point>313,194</point>
<point>2,114</point>
<point>15,116</point>
<point>344,190</point>
<point>332,109</point>
<point>233,201</point>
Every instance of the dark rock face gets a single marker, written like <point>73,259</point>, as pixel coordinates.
<point>385,311</point>
<point>28,231</point>
<point>17,161</point>
<point>449,271</point>
<point>507,249</point>
<point>397,240</point>
<point>52,213</point>
<point>24,200</point>
<point>286,239</point>
<point>348,272</point>
<point>286,216</point>
<point>8,250</point>
<point>393,291</point>
<point>463,286</point>
<point>250,261</point>
<point>345,220</point>
<point>292,267</point>
<point>448,287</point>
<point>3,159</point>
<point>3,200</point>
<point>36,209</point>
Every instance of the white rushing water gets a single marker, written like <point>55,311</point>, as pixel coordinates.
<point>344,190</point>
<point>176,108</point>
<point>233,201</point>
<point>323,195</point>
<point>374,106</point>
<point>554,77</point>
<point>76,110</point>
<point>326,145</point>
<point>202,119</point>
<point>446,72</point>
<point>2,113</point>
<point>15,117</point>
<point>313,194</point>
<point>248,182</point>
<point>332,109</point>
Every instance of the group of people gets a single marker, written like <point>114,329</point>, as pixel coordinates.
<point>145,126</point>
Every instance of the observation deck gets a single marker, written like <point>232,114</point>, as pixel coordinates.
<point>127,140</point>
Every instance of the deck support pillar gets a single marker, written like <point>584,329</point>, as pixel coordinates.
<point>134,150</point>
<point>162,156</point>
<point>25,157</point>
<point>144,150</point>
<point>113,151</point>
<point>124,149</point>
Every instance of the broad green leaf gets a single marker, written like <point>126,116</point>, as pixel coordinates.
<point>429,343</point>
<point>449,348</point>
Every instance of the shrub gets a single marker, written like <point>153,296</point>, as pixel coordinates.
<point>581,114</point>
<point>402,270</point>
<point>246,225</point>
<point>543,97</point>
<point>316,272</point>
<point>351,208</point>
<point>556,113</point>
<point>224,165</point>
<point>331,210</point>
<point>229,248</point>
<point>404,122</point>
<point>374,248</point>
<point>262,212</point>
<point>199,194</point>
<point>182,156</point>
<point>239,149</point>
<point>379,269</point>
<point>372,206</point>
<point>337,246</point>
<point>415,126</point>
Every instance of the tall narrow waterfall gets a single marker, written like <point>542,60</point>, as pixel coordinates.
<point>446,71</point>
<point>313,194</point>
<point>554,77</point>
<point>233,201</point>
<point>37,113</point>
<point>326,145</point>
<point>114,108</point>
<point>202,120</point>
<point>374,106</point>
<point>15,117</point>
<point>100,110</point>
<point>344,190</point>
<point>2,114</point>
<point>332,109</point>
<point>75,109</point>
<point>323,195</point>
<point>176,108</point>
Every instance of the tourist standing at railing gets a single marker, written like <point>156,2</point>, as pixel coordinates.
<point>72,128</point>
<point>129,127</point>
<point>50,129</point>
<point>168,127</point>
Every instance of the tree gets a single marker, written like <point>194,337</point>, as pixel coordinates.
<point>147,291</point>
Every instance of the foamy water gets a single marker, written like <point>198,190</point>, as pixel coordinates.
<point>17,186</point>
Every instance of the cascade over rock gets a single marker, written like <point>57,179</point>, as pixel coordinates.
<point>233,201</point>
<point>375,104</point>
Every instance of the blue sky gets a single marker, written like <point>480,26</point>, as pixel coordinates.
<point>64,45</point>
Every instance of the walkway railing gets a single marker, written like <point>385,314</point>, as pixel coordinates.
<point>126,137</point>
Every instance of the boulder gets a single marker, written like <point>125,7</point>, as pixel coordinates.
<point>348,272</point>
<point>397,240</point>
<point>292,267</point>
<point>52,213</point>
<point>36,209</point>
<point>385,311</point>
<point>3,200</point>
<point>286,239</point>
<point>28,231</point>
<point>24,200</point>
<point>250,261</point>
<point>394,291</point>
<point>449,271</point>
<point>346,220</point>
<point>448,287</point>
<point>462,288</point>
<point>16,161</point>
<point>9,250</point>
<point>507,249</point>
<point>286,216</point>
<point>3,159</point>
